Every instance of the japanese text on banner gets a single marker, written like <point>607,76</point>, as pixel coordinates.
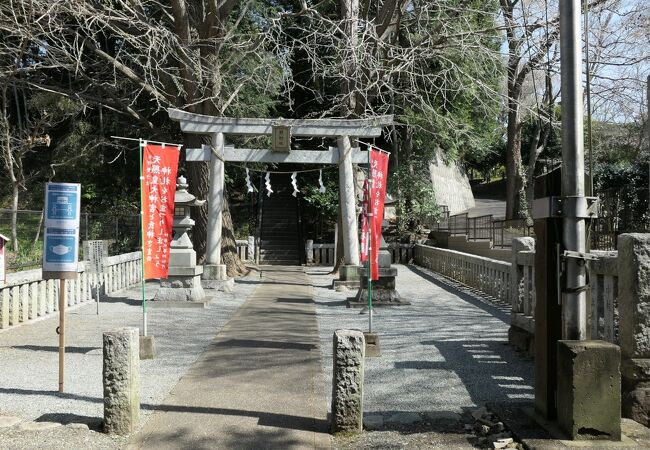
<point>378,177</point>
<point>159,168</point>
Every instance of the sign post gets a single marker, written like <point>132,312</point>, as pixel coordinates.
<point>61,247</point>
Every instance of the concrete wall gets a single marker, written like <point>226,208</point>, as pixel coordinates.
<point>451,186</point>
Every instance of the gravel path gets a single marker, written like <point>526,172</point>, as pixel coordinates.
<point>443,355</point>
<point>29,355</point>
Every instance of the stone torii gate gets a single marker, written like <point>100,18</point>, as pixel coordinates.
<point>218,153</point>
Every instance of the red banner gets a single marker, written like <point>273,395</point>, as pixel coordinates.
<point>378,178</point>
<point>159,167</point>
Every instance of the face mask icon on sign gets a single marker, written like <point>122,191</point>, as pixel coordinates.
<point>60,249</point>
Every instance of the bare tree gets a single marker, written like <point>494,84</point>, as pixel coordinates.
<point>139,58</point>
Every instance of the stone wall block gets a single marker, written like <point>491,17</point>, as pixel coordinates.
<point>589,390</point>
<point>121,380</point>
<point>347,383</point>
<point>634,294</point>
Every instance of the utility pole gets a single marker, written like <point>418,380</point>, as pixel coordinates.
<point>574,298</point>
<point>647,134</point>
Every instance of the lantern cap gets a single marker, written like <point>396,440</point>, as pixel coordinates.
<point>184,198</point>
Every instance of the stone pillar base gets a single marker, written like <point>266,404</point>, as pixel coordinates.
<point>348,277</point>
<point>349,272</point>
<point>180,288</point>
<point>147,347</point>
<point>215,277</point>
<point>383,290</point>
<point>589,390</point>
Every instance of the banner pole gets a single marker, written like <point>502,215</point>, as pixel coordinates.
<point>369,273</point>
<point>144,299</point>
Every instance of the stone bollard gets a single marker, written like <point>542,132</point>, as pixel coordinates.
<point>634,310</point>
<point>121,378</point>
<point>347,381</point>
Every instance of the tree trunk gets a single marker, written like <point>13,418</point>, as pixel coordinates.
<point>14,215</point>
<point>198,174</point>
<point>234,265</point>
<point>515,195</point>
<point>9,165</point>
<point>533,154</point>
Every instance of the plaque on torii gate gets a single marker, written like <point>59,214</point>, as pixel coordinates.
<point>218,153</point>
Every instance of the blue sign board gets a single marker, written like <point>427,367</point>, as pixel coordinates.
<point>61,242</point>
<point>62,205</point>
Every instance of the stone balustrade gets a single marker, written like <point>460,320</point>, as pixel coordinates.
<point>26,296</point>
<point>515,282</point>
<point>323,254</point>
<point>489,276</point>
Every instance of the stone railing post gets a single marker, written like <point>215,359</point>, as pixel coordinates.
<point>121,379</point>
<point>250,248</point>
<point>309,251</point>
<point>347,381</point>
<point>518,337</point>
<point>634,311</point>
<point>521,244</point>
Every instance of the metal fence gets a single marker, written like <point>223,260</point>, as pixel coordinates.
<point>500,232</point>
<point>121,231</point>
<point>479,228</point>
<point>504,231</point>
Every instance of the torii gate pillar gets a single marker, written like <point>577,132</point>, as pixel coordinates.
<point>349,271</point>
<point>214,272</point>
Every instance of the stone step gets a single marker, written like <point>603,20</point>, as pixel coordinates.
<point>279,236</point>
<point>274,245</point>
<point>279,262</point>
<point>279,255</point>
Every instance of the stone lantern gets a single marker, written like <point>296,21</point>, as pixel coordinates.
<point>183,282</point>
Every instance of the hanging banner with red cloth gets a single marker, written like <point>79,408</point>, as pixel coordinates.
<point>159,168</point>
<point>364,223</point>
<point>378,178</point>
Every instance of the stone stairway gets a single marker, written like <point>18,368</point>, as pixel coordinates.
<point>280,236</point>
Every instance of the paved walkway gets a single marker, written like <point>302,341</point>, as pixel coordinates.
<point>240,394</point>
<point>443,355</point>
<point>256,374</point>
